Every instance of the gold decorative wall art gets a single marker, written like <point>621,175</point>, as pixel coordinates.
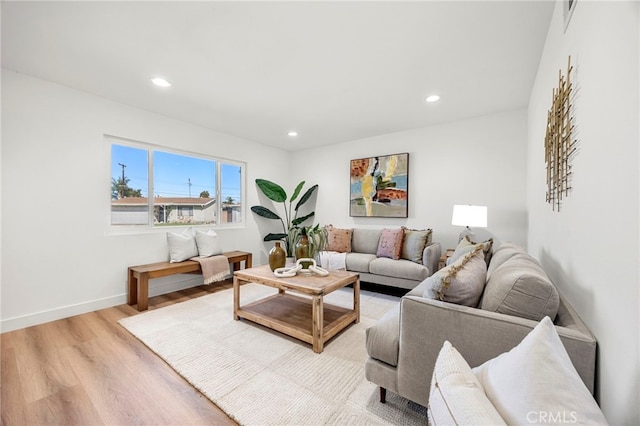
<point>559,142</point>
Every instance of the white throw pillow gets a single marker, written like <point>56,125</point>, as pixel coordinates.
<point>456,396</point>
<point>208,243</point>
<point>182,246</point>
<point>535,382</point>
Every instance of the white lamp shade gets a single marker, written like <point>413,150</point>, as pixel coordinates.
<point>468,215</point>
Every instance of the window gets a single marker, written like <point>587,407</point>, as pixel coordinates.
<point>155,187</point>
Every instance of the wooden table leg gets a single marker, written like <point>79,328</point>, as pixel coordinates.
<point>248,261</point>
<point>356,299</point>
<point>317,326</point>
<point>132,297</point>
<point>143,291</point>
<point>236,298</point>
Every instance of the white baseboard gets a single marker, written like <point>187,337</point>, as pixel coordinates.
<point>36,318</point>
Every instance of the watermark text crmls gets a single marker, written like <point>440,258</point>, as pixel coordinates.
<point>551,417</point>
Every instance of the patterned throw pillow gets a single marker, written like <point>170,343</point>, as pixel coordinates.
<point>390,244</point>
<point>462,282</point>
<point>338,239</point>
<point>466,246</point>
<point>415,240</point>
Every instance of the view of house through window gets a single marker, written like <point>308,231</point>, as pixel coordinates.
<point>159,188</point>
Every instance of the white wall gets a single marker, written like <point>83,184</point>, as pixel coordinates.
<point>476,161</point>
<point>590,248</point>
<point>57,257</point>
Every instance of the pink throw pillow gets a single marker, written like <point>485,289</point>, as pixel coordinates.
<point>390,244</point>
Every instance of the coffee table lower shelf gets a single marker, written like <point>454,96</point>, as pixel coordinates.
<point>297,317</point>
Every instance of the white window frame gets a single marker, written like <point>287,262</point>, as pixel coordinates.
<point>149,226</point>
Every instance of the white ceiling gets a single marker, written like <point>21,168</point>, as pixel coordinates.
<point>333,71</point>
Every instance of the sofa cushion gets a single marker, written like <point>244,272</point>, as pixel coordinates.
<point>383,337</point>
<point>461,282</point>
<point>338,239</point>
<point>521,288</point>
<point>365,240</point>
<point>414,242</point>
<point>503,253</point>
<point>359,262</point>
<point>536,378</point>
<point>390,243</point>
<point>399,269</point>
<point>456,396</point>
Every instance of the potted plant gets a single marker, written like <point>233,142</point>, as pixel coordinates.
<point>290,224</point>
<point>316,235</point>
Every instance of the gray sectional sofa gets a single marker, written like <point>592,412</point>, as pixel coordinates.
<point>407,272</point>
<point>404,345</point>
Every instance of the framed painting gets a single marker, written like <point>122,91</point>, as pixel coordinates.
<point>379,186</point>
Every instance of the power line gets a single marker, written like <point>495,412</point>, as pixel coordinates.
<point>122,184</point>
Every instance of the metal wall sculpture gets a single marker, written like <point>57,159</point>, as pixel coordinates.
<point>559,142</point>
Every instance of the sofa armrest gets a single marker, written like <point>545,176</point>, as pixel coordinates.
<point>431,256</point>
<point>477,334</point>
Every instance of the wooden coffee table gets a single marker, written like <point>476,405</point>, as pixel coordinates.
<point>298,309</point>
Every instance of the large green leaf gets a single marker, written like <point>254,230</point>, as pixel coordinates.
<point>264,212</point>
<point>273,191</point>
<point>299,220</point>
<point>306,196</point>
<point>272,237</point>
<point>296,192</point>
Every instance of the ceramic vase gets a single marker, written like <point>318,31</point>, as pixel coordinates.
<point>277,257</point>
<point>302,250</point>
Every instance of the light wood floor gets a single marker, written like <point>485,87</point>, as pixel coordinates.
<point>88,370</point>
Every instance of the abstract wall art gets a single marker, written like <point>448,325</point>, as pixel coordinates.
<point>379,186</point>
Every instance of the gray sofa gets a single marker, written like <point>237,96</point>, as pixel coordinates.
<point>404,344</point>
<point>402,273</point>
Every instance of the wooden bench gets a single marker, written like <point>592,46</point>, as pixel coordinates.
<point>140,275</point>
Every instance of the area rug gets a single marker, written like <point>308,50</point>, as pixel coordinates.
<point>261,377</point>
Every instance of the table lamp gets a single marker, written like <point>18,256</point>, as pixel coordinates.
<point>467,215</point>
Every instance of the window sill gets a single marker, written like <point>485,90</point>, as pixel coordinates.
<point>116,230</point>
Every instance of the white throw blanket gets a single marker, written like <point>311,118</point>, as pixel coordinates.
<point>214,268</point>
<point>333,260</point>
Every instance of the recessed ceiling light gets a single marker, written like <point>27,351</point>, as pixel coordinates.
<point>159,81</point>
<point>432,98</point>
<point>293,133</point>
